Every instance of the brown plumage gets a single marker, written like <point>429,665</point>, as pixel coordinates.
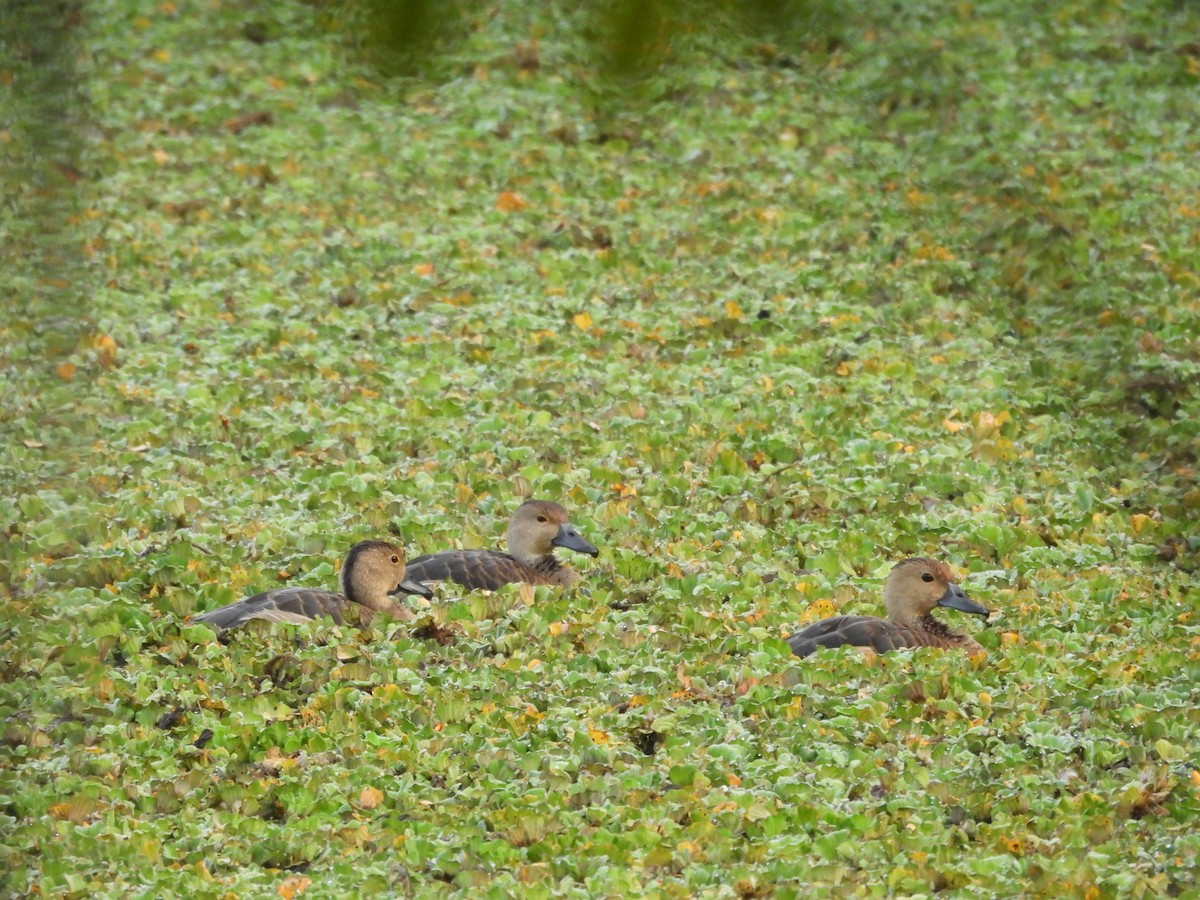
<point>372,572</point>
<point>913,588</point>
<point>534,530</point>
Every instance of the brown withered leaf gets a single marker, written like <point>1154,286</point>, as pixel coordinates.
<point>526,57</point>
<point>238,124</point>
<point>183,211</point>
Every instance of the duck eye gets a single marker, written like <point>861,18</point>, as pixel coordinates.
<point>541,518</point>
<point>926,577</point>
<point>395,560</point>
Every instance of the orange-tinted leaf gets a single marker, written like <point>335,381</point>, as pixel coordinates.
<point>508,201</point>
<point>106,350</point>
<point>369,797</point>
<point>293,885</point>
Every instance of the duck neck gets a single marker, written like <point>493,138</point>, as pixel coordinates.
<point>553,570</point>
<point>359,590</point>
<point>937,627</point>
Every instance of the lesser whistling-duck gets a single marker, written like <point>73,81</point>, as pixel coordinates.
<point>913,588</point>
<point>535,529</point>
<point>373,571</point>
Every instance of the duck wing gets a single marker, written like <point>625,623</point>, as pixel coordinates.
<point>280,605</point>
<point>485,570</point>
<point>875,634</point>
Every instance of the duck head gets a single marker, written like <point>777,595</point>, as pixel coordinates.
<point>538,526</point>
<point>915,586</point>
<point>375,569</point>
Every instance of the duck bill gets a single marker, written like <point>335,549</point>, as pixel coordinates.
<point>408,586</point>
<point>954,598</point>
<point>568,538</point>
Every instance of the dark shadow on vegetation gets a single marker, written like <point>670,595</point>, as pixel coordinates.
<point>46,279</point>
<point>46,275</point>
<point>628,39</point>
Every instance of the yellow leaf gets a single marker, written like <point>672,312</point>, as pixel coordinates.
<point>732,310</point>
<point>425,270</point>
<point>77,810</point>
<point>293,885</point>
<point>526,593</point>
<point>598,736</point>
<point>1139,521</point>
<point>819,609</point>
<point>582,321</point>
<point>558,628</point>
<point>369,797</point>
<point>533,664</point>
<point>1008,638</point>
<point>843,369</point>
<point>65,371</point>
<point>509,201</point>
<point>162,55</point>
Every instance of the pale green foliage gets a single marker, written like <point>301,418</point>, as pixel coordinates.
<point>785,314</point>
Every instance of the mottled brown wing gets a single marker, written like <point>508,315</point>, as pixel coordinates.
<point>281,605</point>
<point>475,569</point>
<point>855,631</point>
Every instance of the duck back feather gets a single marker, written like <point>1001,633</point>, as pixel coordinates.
<point>487,570</point>
<point>280,605</point>
<point>875,634</point>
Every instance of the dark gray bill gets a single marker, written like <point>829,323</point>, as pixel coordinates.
<point>568,538</point>
<point>956,598</point>
<point>408,586</point>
